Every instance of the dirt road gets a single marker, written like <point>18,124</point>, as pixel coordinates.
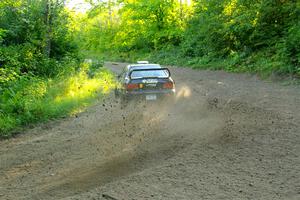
<point>228,136</point>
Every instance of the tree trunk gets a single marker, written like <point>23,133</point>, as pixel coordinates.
<point>48,23</point>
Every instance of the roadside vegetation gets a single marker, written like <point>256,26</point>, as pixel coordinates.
<point>260,36</point>
<point>37,99</point>
<point>42,74</point>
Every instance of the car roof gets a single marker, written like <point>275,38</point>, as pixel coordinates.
<point>143,66</point>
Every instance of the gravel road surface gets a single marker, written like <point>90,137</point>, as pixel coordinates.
<point>227,136</point>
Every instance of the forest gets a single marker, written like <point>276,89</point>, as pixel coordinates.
<point>44,45</point>
<point>260,36</point>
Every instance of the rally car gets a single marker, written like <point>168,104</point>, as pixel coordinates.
<point>145,81</point>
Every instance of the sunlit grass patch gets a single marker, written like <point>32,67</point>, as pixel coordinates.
<point>36,100</point>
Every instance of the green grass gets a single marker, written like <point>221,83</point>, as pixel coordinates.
<point>31,99</point>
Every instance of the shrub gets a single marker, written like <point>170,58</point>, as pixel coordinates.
<point>33,99</point>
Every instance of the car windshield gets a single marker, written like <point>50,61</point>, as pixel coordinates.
<point>150,73</point>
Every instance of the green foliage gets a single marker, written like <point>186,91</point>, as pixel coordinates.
<point>33,99</point>
<point>239,35</point>
<point>122,26</point>
<point>258,36</point>
<point>35,37</point>
<point>38,54</point>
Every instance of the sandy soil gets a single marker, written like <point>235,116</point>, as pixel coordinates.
<point>227,136</point>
